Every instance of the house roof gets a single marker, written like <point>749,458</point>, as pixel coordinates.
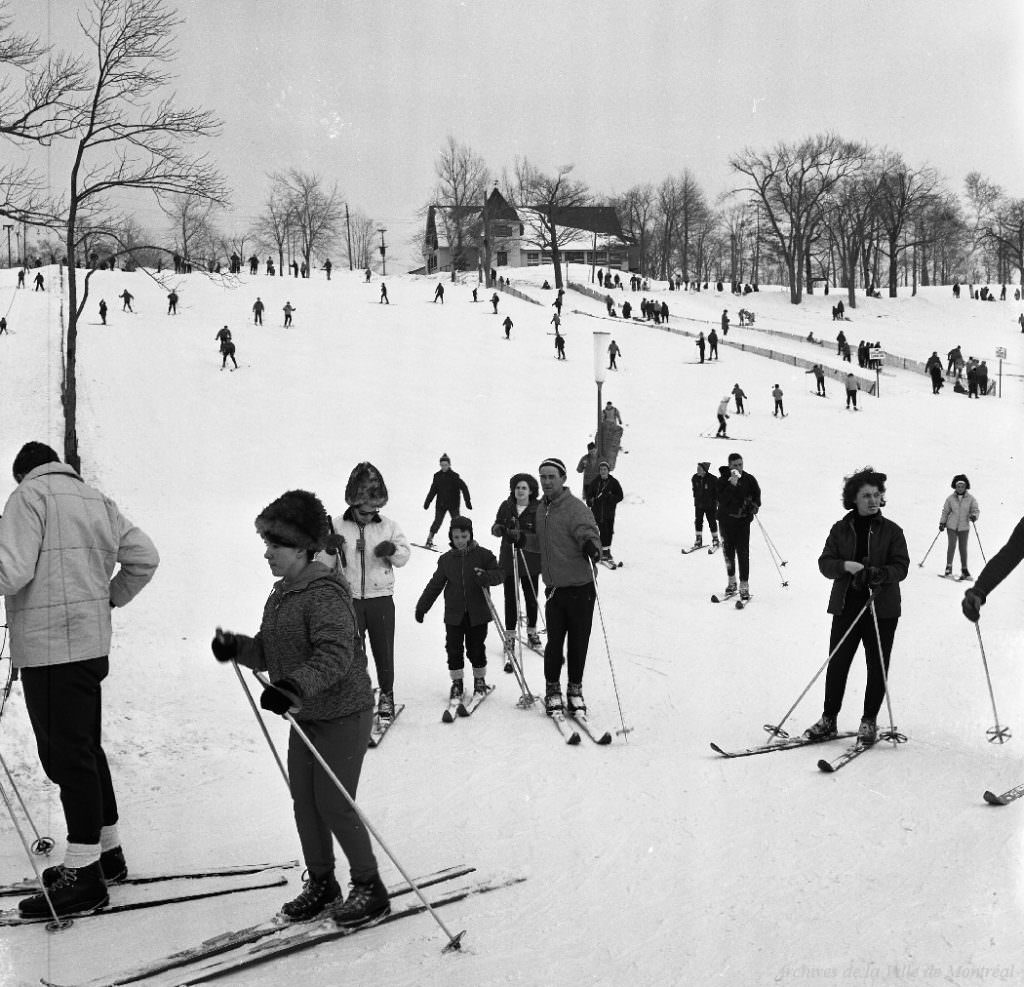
<point>593,219</point>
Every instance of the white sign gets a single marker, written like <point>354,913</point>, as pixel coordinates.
<point>877,354</point>
<point>1000,352</point>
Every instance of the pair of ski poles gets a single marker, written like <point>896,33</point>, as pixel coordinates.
<point>775,554</point>
<point>936,538</point>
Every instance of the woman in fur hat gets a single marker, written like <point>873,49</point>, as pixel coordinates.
<point>516,525</point>
<point>308,643</point>
<point>959,512</point>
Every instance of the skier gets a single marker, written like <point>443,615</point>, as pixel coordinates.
<point>556,321</point>
<point>712,345</point>
<point>384,300</point>
<point>460,574</point>
<point>840,343</point>
<point>227,347</point>
<point>59,599</point>
<point>705,504</point>
<point>723,414</point>
<point>508,326</point>
<point>603,495</point>
<point>515,523</point>
<point>588,465</point>
<point>494,302</point>
<point>172,303</point>
<point>308,644</point>
<point>866,558</point>
<point>126,297</point>
<point>613,353</point>
<point>439,293</point>
<point>935,368</point>
<point>557,303</point>
<point>819,378</point>
<point>39,282</point>
<point>738,394</point>
<point>254,264</point>
<point>559,346</point>
<point>257,312</point>
<point>288,309</point>
<point>956,359</point>
<point>570,547</point>
<point>852,387</point>
<point>103,311</point>
<point>22,272</point>
<point>739,499</point>
<point>959,512</point>
<point>777,398</point>
<point>725,322</point>
<point>365,547</point>
<point>449,488</point>
<point>700,345</point>
<point>328,267</point>
<point>3,325</point>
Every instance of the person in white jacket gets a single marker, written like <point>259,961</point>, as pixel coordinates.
<point>366,548</point>
<point>959,512</point>
<point>60,542</point>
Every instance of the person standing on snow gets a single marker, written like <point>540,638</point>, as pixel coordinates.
<point>739,499</point>
<point>308,644</point>
<point>126,297</point>
<point>705,504</point>
<point>852,387</point>
<point>723,414</point>
<point>588,465</point>
<point>700,345</point>
<point>172,303</point>
<point>103,311</point>
<point>439,293</point>
<point>449,489</point>
<point>570,547</point>
<point>959,512</point>
<point>777,398</point>
<point>288,309</point>
<point>227,347</point>
<point>508,323</point>
<point>367,547</point>
<point>819,379</point>
<point>383,300</point>
<point>725,322</point>
<point>559,346</point>
<point>866,557</point>
<point>738,394</point>
<point>712,345</point>
<point>603,495</point>
<point>60,540</point>
<point>257,312</point>
<point>613,354</point>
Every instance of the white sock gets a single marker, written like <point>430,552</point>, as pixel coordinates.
<point>80,855</point>
<point>109,838</point>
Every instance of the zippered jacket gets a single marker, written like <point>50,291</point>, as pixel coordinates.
<point>463,592</point>
<point>367,575</point>
<point>564,526</point>
<point>958,512</point>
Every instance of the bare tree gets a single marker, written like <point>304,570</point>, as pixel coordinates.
<point>636,207</point>
<point>128,135</point>
<point>463,182</point>
<point>848,213</point>
<point>317,214</point>
<point>191,224</point>
<point>1005,228</point>
<point>274,226</point>
<point>364,230</point>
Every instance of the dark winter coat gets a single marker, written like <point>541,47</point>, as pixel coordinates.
<point>309,636</point>
<point>602,497</point>
<point>449,489</point>
<point>455,576</point>
<point>740,501</point>
<point>705,490</point>
<point>516,530</point>
<point>1002,563</point>
<point>887,549</point>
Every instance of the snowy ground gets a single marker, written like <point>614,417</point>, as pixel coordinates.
<point>652,862</point>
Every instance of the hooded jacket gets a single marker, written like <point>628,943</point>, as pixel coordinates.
<point>462,588</point>
<point>60,540</point>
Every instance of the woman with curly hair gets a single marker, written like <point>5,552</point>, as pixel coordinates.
<point>959,512</point>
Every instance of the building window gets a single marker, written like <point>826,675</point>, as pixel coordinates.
<point>503,229</point>
<point>533,258</point>
<point>502,258</point>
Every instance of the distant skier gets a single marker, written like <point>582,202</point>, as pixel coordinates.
<point>613,353</point>
<point>39,282</point>
<point>959,512</point>
<point>739,499</point>
<point>556,321</point>
<point>777,398</point>
<point>254,264</point>
<point>508,327</point>
<point>494,301</point>
<point>712,345</point>
<point>384,300</point>
<point>21,282</point>
<point>723,414</point>
<point>700,345</point>
<point>103,311</point>
<point>449,488</point>
<point>611,414</point>
<point>559,346</point>
<point>367,272</point>
<point>227,347</point>
<point>738,394</point>
<point>588,465</point>
<point>257,310</point>
<point>3,325</point>
<point>172,303</point>
<point>288,309</point>
<point>852,387</point>
<point>819,378</point>
<point>705,504</point>
<point>126,297</point>
<point>603,495</point>
<point>439,293</point>
<point>840,342</point>
<point>328,267</point>
<point>725,322</point>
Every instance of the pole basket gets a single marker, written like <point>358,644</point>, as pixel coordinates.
<point>998,734</point>
<point>624,731</point>
<point>455,943</point>
<point>776,731</point>
<point>893,736</point>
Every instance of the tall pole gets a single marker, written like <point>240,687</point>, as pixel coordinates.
<point>383,251</point>
<point>348,236</point>
<point>600,350</point>
<point>9,227</point>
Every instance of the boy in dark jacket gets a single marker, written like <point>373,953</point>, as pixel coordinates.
<point>705,503</point>
<point>449,488</point>
<point>461,573</point>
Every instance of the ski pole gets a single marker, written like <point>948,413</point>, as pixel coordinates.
<point>540,610</point>
<point>1002,734</point>
<point>625,731</point>
<point>771,544</point>
<point>528,698</point>
<point>893,734</point>
<point>770,551</point>
<point>58,924</point>
<point>980,549</point>
<point>263,726</point>
<point>454,941</point>
<point>930,547</point>
<point>775,729</point>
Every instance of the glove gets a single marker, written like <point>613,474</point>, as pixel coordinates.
<point>592,551</point>
<point>875,575</point>
<point>942,527</point>
<point>972,603</point>
<point>385,550</point>
<point>498,530</point>
<point>224,645</point>
<point>277,701</point>
<point>972,518</point>
<point>334,543</point>
<point>419,616</point>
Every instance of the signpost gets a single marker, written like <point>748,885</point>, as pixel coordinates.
<point>877,356</point>
<point>1001,355</point>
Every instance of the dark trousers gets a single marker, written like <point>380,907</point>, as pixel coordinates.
<point>606,526</point>
<point>851,398</point>
<point>569,612</point>
<point>375,619</point>
<point>839,666</point>
<point>439,513</point>
<point>713,352</point>
<point>468,638</point>
<point>821,386</point>
<point>721,425</point>
<point>529,580</point>
<point>736,545</point>
<point>321,811</point>
<point>778,408</point>
<point>739,406</point>
<point>711,513</point>
<point>64,704</point>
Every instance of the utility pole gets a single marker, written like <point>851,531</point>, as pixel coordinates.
<point>348,237</point>
<point>383,251</point>
<point>9,227</point>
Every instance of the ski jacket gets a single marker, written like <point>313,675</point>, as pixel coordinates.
<point>887,549</point>
<point>740,501</point>
<point>1002,563</point>
<point>705,490</point>
<point>310,637</point>
<point>603,496</point>
<point>449,489</point>
<point>520,531</point>
<point>564,526</point>
<point>958,512</point>
<point>367,575</point>
<point>60,540</point>
<point>588,467</point>
<point>462,587</point>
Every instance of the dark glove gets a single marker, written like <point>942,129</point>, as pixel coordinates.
<point>469,506</point>
<point>592,551</point>
<point>334,543</point>
<point>972,603</point>
<point>498,530</point>
<point>224,645</point>
<point>277,701</point>
<point>419,616</point>
<point>385,550</point>
<point>942,526</point>
<point>875,575</point>
<point>972,518</point>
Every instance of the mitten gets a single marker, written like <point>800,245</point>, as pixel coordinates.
<point>276,700</point>
<point>972,603</point>
<point>419,616</point>
<point>384,550</point>
<point>334,543</point>
<point>224,645</point>
<point>942,526</point>
<point>876,575</point>
<point>592,551</point>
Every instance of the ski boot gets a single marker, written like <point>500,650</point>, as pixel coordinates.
<point>72,890</point>
<point>949,571</point>
<point>479,686</point>
<point>112,864</point>
<point>367,901</point>
<point>574,697</point>
<point>731,589</point>
<point>964,574</point>
<point>824,729</point>
<point>533,638</point>
<point>715,543</point>
<point>868,732</point>
<point>386,706</point>
<point>317,894</point>
<point>698,542</point>
<point>744,591</point>
<point>553,698</point>
<point>456,690</point>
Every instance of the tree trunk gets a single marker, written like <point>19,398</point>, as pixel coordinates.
<point>893,265</point>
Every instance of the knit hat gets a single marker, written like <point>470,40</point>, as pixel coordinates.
<point>296,519</point>
<point>958,477</point>
<point>604,462</point>
<point>557,463</point>
<point>444,458</point>
<point>366,486</point>
<point>530,481</point>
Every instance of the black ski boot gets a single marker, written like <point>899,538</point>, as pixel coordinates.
<point>73,890</point>
<point>115,870</point>
<point>317,894</point>
<point>366,902</point>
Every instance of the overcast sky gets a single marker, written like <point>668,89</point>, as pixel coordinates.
<point>364,92</point>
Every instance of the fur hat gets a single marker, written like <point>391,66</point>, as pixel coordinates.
<point>366,486</point>
<point>297,519</point>
<point>958,478</point>
<point>557,463</point>
<point>530,481</point>
<point>707,467</point>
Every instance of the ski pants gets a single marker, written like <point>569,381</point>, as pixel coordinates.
<point>375,619</point>
<point>957,538</point>
<point>736,545</point>
<point>439,513</point>
<point>321,811</point>
<point>606,526</point>
<point>820,386</point>
<point>529,580</point>
<point>721,425</point>
<point>468,638</point>
<point>739,406</point>
<point>65,706</point>
<point>569,612</point>
<point>711,513</point>
<point>839,666</point>
<point>851,399</point>
<point>778,408</point>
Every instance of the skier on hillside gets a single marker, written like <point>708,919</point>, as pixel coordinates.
<point>739,499</point>
<point>60,540</point>
<point>865,556</point>
<point>737,393</point>
<point>383,300</point>
<point>840,342</point>
<point>723,414</point>
<point>461,573</point>
<point>712,345</point>
<point>257,310</point>
<point>559,346</point>
<point>725,322</point>
<point>449,489</point>
<point>613,354</point>
<point>172,303</point>
<point>705,504</point>
<point>852,387</point>
<point>959,512</point>
<point>227,347</point>
<point>569,549</point>
<point>366,547</point>
<point>603,495</point>
<point>508,323</point>
<point>556,321</point>
<point>39,282</point>
<point>700,345</point>
<point>777,398</point>
<point>288,309</point>
<point>515,523</point>
<point>3,325</point>
<point>439,293</point>
<point>956,358</point>
<point>819,378</point>
<point>308,644</point>
<point>126,297</point>
<point>103,311</point>
<point>494,301</point>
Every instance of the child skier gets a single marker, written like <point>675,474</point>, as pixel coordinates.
<point>959,512</point>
